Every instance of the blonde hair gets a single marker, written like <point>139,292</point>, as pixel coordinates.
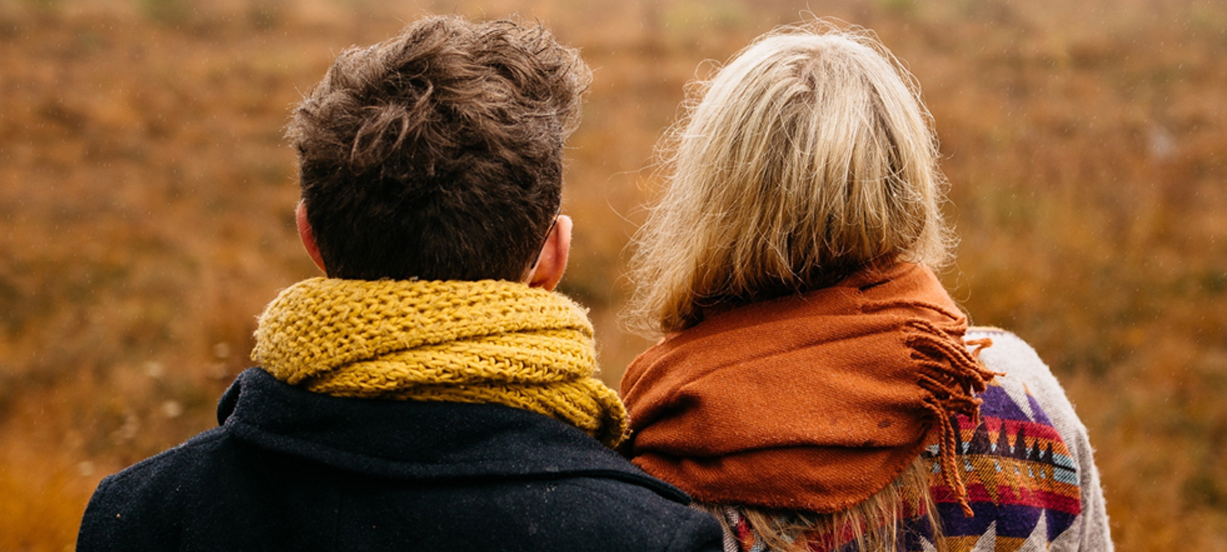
<point>806,158</point>
<point>875,524</point>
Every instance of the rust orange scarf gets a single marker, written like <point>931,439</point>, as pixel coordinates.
<point>812,402</point>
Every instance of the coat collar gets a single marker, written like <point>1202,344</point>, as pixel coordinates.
<point>428,441</point>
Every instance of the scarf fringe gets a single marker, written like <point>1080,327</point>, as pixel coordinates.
<point>908,366</point>
<point>952,375</point>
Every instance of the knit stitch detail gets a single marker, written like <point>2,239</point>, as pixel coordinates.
<point>491,342</point>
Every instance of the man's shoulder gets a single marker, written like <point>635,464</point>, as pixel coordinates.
<point>573,512</point>
<point>202,444</point>
<point>626,507</point>
<point>173,465</point>
<point>138,505</point>
<point>624,523</point>
<point>305,468</point>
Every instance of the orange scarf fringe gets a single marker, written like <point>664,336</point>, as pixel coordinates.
<point>812,402</point>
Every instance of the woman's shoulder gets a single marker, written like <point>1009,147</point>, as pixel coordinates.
<point>1025,377</point>
<point>1029,453</point>
<point>1025,388</point>
<point>1007,350</point>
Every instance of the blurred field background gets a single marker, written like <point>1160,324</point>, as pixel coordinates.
<point>146,201</point>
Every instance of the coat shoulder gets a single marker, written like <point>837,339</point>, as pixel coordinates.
<point>626,513</point>
<point>137,508</point>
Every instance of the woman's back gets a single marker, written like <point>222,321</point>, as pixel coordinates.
<point>1043,495</point>
<point>816,382</point>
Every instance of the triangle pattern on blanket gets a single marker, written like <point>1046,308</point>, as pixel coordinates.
<point>1020,477</point>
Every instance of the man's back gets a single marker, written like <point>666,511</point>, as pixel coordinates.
<point>432,392</point>
<point>295,470</point>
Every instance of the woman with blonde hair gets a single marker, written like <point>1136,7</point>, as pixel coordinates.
<point>816,388</point>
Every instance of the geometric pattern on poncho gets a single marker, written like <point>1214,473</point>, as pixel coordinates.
<point>1021,480</point>
<point>1020,477</point>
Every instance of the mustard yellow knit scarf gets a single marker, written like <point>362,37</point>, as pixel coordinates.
<point>474,342</point>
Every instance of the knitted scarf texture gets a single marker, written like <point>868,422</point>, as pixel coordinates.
<point>491,342</point>
<point>812,402</point>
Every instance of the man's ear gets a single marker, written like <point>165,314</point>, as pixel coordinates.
<point>308,238</point>
<point>553,260</point>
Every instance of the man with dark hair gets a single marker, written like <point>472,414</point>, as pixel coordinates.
<point>433,392</point>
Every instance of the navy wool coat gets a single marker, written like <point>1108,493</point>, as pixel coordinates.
<point>294,470</point>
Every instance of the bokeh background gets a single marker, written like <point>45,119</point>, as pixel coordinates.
<point>146,199</point>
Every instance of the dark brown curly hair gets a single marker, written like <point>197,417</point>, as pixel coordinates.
<point>437,154</point>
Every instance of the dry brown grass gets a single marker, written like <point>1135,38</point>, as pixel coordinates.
<point>146,197</point>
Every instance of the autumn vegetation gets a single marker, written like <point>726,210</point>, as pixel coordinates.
<point>146,198</point>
